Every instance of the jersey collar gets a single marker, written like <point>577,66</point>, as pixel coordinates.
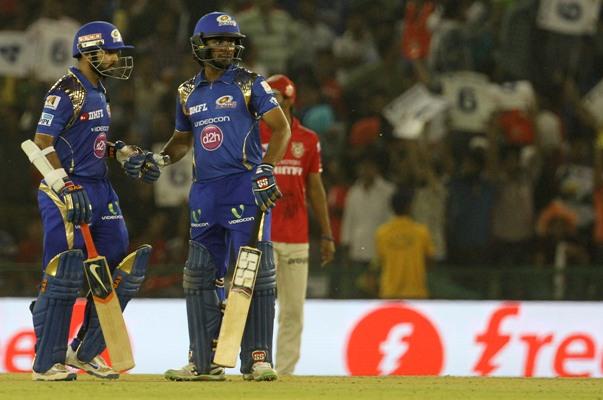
<point>226,77</point>
<point>85,82</point>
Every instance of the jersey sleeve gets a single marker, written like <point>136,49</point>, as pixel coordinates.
<point>314,162</point>
<point>56,114</point>
<point>183,123</point>
<point>262,97</point>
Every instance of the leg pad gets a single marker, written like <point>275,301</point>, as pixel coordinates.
<point>63,278</point>
<point>257,338</point>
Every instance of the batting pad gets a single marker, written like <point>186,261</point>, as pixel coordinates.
<point>257,337</point>
<point>63,278</point>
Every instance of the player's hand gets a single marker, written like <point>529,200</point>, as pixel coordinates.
<point>133,165</point>
<point>327,249</point>
<point>149,171</point>
<point>75,198</point>
<point>264,187</point>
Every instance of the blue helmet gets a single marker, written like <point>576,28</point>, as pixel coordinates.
<point>216,25</point>
<point>93,39</point>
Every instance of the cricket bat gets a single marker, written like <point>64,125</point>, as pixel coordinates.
<point>107,306</point>
<point>239,298</point>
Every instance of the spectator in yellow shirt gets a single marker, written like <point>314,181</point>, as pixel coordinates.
<point>403,249</point>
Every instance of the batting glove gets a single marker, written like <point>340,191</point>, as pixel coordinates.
<point>75,198</point>
<point>264,187</point>
<point>149,171</point>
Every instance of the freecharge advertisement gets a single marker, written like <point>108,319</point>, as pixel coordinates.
<point>462,338</point>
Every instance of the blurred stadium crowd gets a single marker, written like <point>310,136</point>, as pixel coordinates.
<point>504,157</point>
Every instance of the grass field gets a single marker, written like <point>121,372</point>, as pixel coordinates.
<point>133,387</point>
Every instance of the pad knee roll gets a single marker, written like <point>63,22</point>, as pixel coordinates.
<point>258,334</point>
<point>202,305</point>
<point>63,278</point>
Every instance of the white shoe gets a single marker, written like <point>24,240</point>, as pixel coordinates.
<point>57,372</point>
<point>261,371</point>
<point>189,373</point>
<point>96,367</point>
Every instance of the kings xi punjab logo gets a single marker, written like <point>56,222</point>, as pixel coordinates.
<point>394,339</point>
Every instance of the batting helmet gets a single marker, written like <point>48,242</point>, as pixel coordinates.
<point>93,39</point>
<point>216,25</point>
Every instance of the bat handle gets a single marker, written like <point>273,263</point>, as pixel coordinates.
<point>90,247</point>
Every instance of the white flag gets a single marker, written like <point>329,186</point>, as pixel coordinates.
<point>173,186</point>
<point>15,54</point>
<point>409,112</point>
<point>517,95</point>
<point>471,98</point>
<point>572,17</point>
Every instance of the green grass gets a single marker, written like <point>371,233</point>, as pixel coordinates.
<point>132,387</point>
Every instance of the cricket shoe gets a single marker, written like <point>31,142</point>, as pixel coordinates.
<point>57,372</point>
<point>189,373</point>
<point>261,371</point>
<point>95,367</point>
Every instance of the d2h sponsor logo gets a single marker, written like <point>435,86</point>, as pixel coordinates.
<point>394,339</point>
<point>211,137</point>
<point>100,145</point>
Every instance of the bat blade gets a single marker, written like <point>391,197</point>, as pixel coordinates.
<point>109,313</point>
<point>237,308</point>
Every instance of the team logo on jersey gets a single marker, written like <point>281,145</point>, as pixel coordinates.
<point>100,145</point>
<point>226,102</point>
<point>226,20</point>
<point>46,119</point>
<point>116,36</point>
<point>52,102</point>
<point>297,149</point>
<point>211,137</point>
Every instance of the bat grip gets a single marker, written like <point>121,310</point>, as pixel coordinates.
<point>90,247</point>
<point>257,229</point>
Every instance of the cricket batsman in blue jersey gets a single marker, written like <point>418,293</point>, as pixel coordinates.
<point>218,113</point>
<point>73,136</point>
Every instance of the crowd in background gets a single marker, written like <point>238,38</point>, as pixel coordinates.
<point>503,197</point>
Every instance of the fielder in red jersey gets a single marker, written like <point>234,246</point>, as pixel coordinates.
<point>298,176</point>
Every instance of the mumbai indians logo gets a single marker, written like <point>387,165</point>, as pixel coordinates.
<point>226,102</point>
<point>226,20</point>
<point>236,213</point>
<point>116,36</point>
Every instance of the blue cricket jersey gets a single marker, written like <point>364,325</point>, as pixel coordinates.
<point>77,115</point>
<point>223,116</point>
